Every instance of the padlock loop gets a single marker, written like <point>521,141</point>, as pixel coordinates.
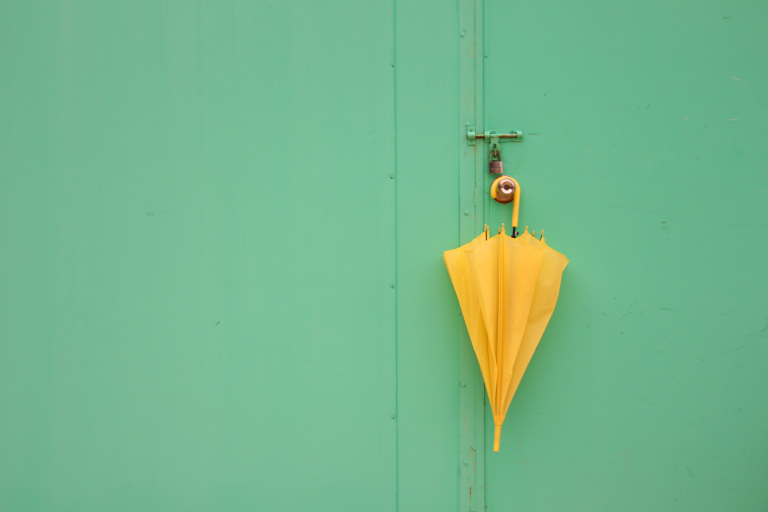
<point>495,149</point>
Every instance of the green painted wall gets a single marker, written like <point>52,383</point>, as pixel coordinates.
<point>198,229</point>
<point>221,284</point>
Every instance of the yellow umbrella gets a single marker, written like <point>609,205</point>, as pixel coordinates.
<point>507,288</point>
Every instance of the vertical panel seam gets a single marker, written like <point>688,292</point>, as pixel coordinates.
<point>458,243</point>
<point>396,255</point>
<point>486,200</point>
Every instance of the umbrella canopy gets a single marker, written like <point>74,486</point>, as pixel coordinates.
<point>507,289</point>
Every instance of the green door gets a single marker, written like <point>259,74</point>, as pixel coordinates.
<point>645,163</point>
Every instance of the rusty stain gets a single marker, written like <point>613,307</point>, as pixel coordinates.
<point>465,421</point>
<point>626,458</point>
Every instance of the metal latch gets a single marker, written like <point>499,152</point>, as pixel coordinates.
<point>499,136</point>
<point>495,165</point>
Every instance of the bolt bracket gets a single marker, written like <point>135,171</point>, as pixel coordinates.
<point>493,136</point>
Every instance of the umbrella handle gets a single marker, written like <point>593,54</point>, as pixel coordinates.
<point>496,437</point>
<point>515,199</point>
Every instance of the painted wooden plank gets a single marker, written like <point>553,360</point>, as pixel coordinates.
<point>471,219</point>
